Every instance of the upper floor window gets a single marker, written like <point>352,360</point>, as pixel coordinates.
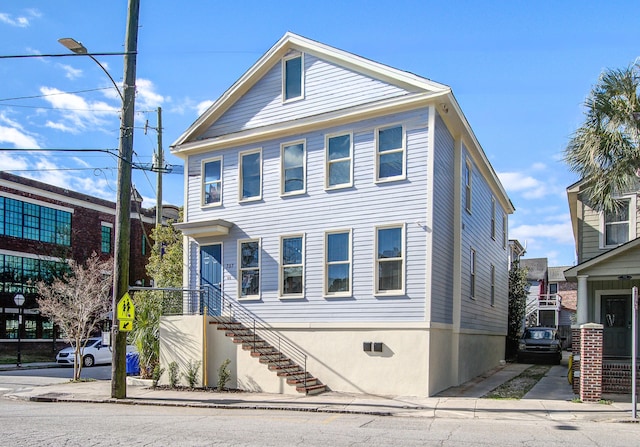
<point>293,159</point>
<point>338,263</point>
<point>27,220</point>
<point>251,175</point>
<point>292,266</point>
<point>390,153</point>
<point>618,223</point>
<point>389,269</point>
<point>553,288</point>
<point>338,157</point>
<point>467,185</point>
<point>249,262</point>
<point>212,182</point>
<point>292,77</point>
<point>504,231</point>
<point>493,218</point>
<point>105,245</point>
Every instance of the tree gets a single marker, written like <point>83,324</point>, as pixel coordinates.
<point>78,301</point>
<point>517,306</point>
<point>605,150</point>
<point>165,267</point>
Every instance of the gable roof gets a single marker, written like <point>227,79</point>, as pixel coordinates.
<point>424,93</point>
<point>603,259</point>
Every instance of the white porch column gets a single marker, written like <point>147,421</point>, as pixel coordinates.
<point>582,305</point>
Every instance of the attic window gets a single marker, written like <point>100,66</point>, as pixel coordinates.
<point>292,77</point>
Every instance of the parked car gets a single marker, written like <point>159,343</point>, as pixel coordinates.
<point>540,343</point>
<point>94,353</point>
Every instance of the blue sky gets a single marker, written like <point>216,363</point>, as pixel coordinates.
<point>519,69</point>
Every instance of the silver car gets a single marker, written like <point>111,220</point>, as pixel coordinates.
<point>94,353</point>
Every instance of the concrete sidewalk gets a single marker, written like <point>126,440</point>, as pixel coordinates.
<point>550,399</point>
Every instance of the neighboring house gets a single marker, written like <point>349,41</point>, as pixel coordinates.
<point>516,251</point>
<point>608,268</point>
<point>347,207</point>
<point>41,228</point>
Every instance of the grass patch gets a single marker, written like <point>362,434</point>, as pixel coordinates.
<point>520,385</point>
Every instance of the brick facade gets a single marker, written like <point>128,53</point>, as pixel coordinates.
<point>88,215</point>
<point>588,365</point>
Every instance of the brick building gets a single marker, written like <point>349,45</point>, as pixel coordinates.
<point>41,227</point>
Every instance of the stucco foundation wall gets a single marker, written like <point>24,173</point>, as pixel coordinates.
<point>181,341</point>
<point>442,360</point>
<point>478,354</point>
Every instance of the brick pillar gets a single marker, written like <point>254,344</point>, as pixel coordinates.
<point>575,352</point>
<point>591,362</point>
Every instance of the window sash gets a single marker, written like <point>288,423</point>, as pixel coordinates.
<point>26,220</point>
<point>293,157</point>
<point>292,266</point>
<point>251,175</point>
<point>292,74</point>
<point>616,224</point>
<point>339,155</point>
<point>493,218</point>
<point>472,273</point>
<point>390,259</point>
<point>467,186</point>
<point>249,266</point>
<point>493,284</point>
<point>105,244</point>
<point>338,263</point>
<point>212,182</point>
<point>390,153</point>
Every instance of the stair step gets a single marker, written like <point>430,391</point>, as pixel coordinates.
<point>283,369</point>
<point>314,389</point>
<point>248,346</point>
<point>311,381</point>
<point>292,371</point>
<point>274,360</point>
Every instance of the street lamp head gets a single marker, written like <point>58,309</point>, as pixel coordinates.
<point>73,45</point>
<point>19,300</point>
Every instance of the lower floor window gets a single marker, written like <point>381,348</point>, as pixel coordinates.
<point>249,268</point>
<point>292,266</point>
<point>389,259</point>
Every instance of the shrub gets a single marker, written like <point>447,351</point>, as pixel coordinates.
<point>224,375</point>
<point>157,373</point>
<point>173,374</point>
<point>192,373</point>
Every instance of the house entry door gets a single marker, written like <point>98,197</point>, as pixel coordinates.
<point>616,319</point>
<point>211,278</point>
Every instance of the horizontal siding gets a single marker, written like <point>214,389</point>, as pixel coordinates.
<point>443,224</point>
<point>328,87</point>
<point>591,235</point>
<point>359,208</point>
<point>477,313</point>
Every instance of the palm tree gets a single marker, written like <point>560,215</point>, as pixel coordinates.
<point>605,150</point>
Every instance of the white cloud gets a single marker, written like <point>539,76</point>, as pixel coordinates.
<point>558,233</point>
<point>12,162</point>
<point>538,166</point>
<point>17,138</point>
<point>203,106</point>
<point>71,72</point>
<point>527,186</point>
<point>77,113</point>
<point>146,96</point>
<point>20,22</point>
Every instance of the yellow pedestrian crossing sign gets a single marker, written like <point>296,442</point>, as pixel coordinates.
<point>125,325</point>
<point>126,309</point>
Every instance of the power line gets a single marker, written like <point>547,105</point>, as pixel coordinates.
<point>56,94</point>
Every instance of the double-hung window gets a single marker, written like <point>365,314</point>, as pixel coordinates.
<point>293,159</point>
<point>212,182</point>
<point>389,268</point>
<point>338,263</point>
<point>292,77</point>
<point>250,175</point>
<point>617,223</point>
<point>467,185</point>
<point>472,273</point>
<point>292,266</point>
<point>493,284</point>
<point>249,264</point>
<point>339,161</point>
<point>493,218</point>
<point>504,231</point>
<point>390,153</point>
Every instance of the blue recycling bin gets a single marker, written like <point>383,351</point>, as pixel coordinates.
<point>133,364</point>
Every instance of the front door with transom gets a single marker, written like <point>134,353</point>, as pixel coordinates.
<point>616,319</point>
<point>211,278</point>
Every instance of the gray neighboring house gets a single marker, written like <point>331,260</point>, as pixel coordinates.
<point>347,208</point>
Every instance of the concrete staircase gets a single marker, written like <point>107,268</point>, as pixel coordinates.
<point>281,364</point>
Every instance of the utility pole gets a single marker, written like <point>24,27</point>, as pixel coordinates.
<point>123,204</point>
<point>160,169</point>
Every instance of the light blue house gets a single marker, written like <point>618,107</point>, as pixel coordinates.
<point>348,209</point>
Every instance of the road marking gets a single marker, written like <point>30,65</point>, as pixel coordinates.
<point>330,419</point>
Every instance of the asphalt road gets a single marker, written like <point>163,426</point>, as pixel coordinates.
<point>28,378</point>
<point>79,424</point>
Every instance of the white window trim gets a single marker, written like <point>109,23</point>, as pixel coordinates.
<point>284,77</point>
<point>203,184</point>
<point>241,179</point>
<point>505,224</point>
<point>328,162</point>
<point>492,278</point>
<point>304,168</point>
<point>403,258</point>
<point>632,222</point>
<point>281,267</point>
<point>240,269</point>
<point>493,218</point>
<point>349,292</point>
<point>403,149</point>
<point>468,187</point>
<point>473,270</point>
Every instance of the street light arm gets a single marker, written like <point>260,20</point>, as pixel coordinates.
<point>108,75</point>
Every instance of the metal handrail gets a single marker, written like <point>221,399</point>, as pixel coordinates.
<point>233,309</point>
